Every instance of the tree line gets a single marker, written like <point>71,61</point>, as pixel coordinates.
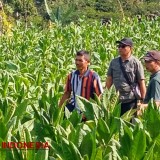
<point>66,11</point>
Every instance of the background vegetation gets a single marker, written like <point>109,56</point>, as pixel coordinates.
<point>36,11</point>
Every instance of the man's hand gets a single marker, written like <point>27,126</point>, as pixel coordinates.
<point>84,119</point>
<point>140,108</point>
<point>65,96</point>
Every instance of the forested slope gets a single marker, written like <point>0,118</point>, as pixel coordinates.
<point>36,11</point>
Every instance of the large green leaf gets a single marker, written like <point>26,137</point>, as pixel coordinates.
<point>42,154</point>
<point>15,153</point>
<point>75,152</point>
<point>12,66</point>
<point>88,108</point>
<point>57,149</point>
<point>3,131</point>
<point>88,146</point>
<point>10,113</point>
<point>138,146</point>
<point>2,151</point>
<point>150,153</point>
<point>126,140</point>
<point>66,150</point>
<point>152,123</point>
<point>29,125</point>
<point>76,136</point>
<point>21,108</point>
<point>91,124</point>
<point>99,152</point>
<point>30,154</point>
<point>75,118</point>
<point>103,131</point>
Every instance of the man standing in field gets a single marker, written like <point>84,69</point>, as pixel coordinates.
<point>82,82</point>
<point>152,64</point>
<point>124,82</point>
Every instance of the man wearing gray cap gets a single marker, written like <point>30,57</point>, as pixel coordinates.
<point>126,72</point>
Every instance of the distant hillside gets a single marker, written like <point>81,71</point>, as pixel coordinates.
<point>37,11</point>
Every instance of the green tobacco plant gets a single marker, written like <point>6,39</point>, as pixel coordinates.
<point>132,141</point>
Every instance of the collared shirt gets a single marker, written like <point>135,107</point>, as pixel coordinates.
<point>153,89</point>
<point>135,72</point>
<point>84,86</point>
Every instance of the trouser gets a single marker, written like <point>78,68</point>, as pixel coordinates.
<point>127,106</point>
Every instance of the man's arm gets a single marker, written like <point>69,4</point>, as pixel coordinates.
<point>141,79</point>
<point>65,96</point>
<point>109,79</point>
<point>142,88</point>
<point>109,82</point>
<point>97,86</point>
<point>67,91</point>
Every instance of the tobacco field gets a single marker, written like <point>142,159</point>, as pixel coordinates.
<point>34,64</point>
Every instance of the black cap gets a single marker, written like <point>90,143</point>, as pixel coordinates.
<point>126,41</point>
